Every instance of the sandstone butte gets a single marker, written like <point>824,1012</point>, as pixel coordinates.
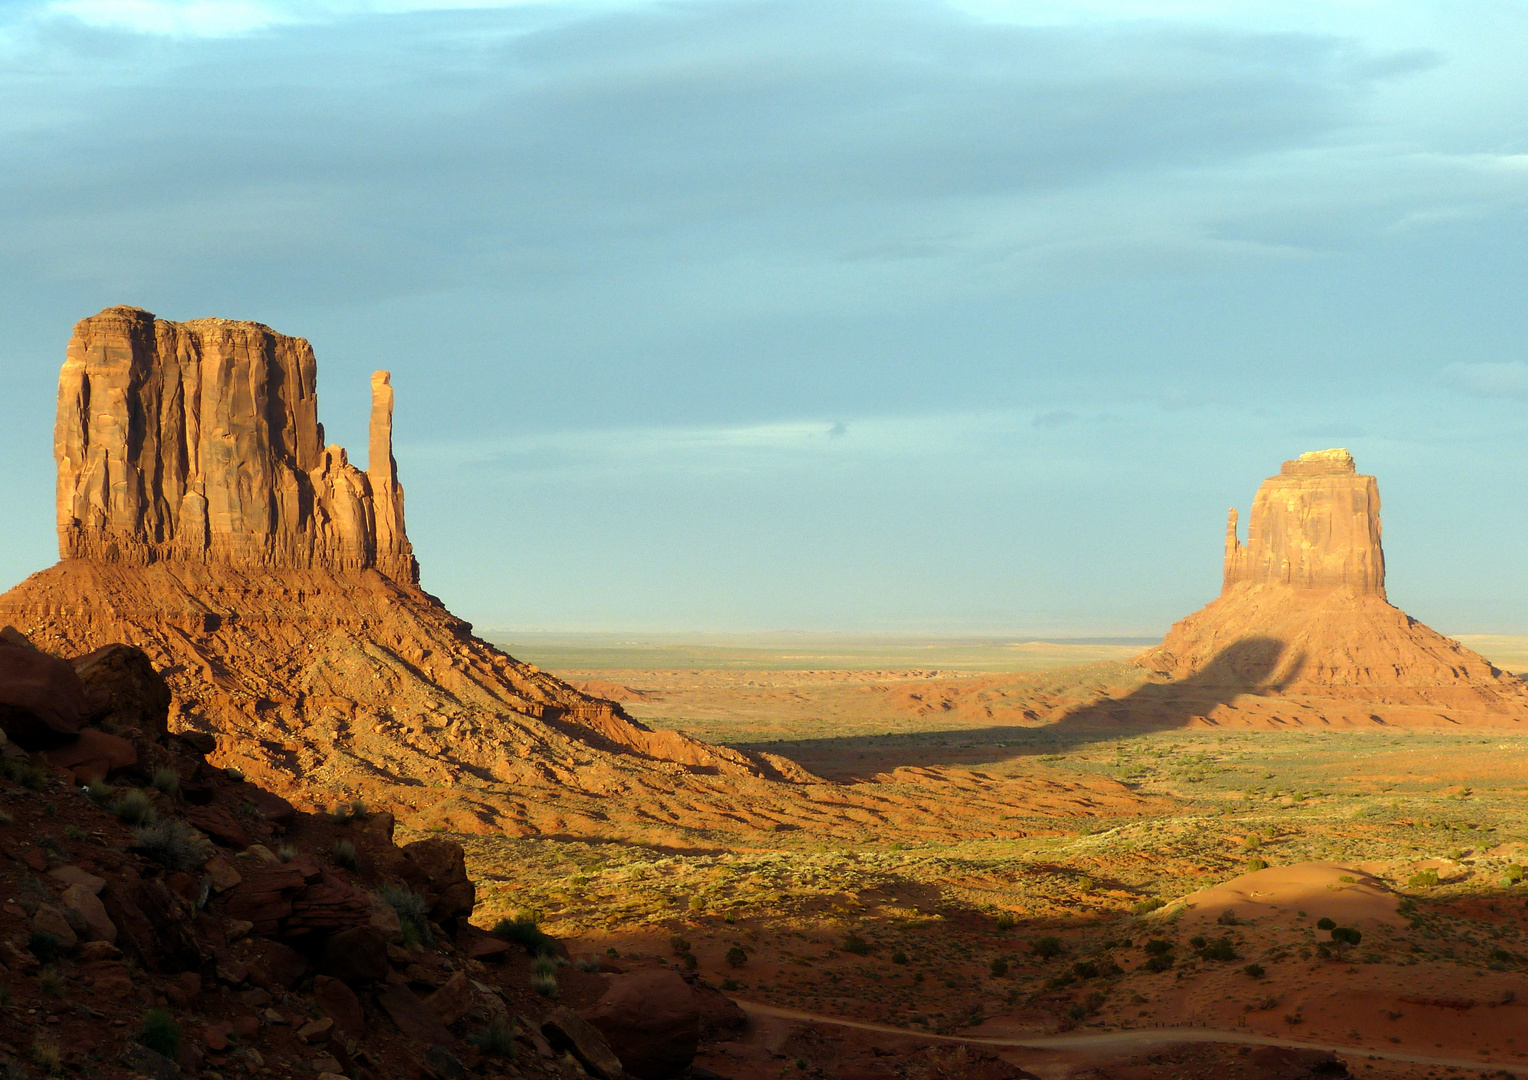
<point>202,519</point>
<point>1302,610</point>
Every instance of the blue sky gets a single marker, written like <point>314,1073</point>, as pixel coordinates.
<point>921,317</point>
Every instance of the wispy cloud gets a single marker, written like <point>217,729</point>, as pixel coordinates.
<point>1490,380</point>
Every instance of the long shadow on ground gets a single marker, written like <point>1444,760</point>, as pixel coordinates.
<point>1244,667</point>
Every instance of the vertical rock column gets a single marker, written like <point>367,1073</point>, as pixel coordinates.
<point>395,555</point>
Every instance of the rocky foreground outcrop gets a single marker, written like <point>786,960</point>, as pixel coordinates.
<point>167,918</point>
<point>1302,608</point>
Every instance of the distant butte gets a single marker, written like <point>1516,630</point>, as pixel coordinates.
<point>1302,608</point>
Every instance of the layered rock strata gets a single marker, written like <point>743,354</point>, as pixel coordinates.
<point>200,442</point>
<point>1303,608</point>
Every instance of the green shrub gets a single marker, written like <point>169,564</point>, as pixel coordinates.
<point>730,984</point>
<point>413,913</point>
<point>1514,874</point>
<point>1085,969</point>
<point>589,963</point>
<point>1007,921</point>
<point>1254,970</point>
<point>697,904</point>
<point>344,815</point>
<point>344,854</point>
<point>173,844</point>
<point>1149,904</point>
<point>523,931</point>
<point>1046,948</point>
<point>1160,962</point>
<point>679,944</point>
<point>166,780</point>
<point>1217,949</point>
<point>75,833</point>
<point>160,1033</point>
<point>1423,879</point>
<point>1346,935</point>
<point>497,1039</point>
<point>286,853</point>
<point>545,985</point>
<point>134,808</point>
<point>1257,864</point>
<point>737,956</point>
<point>899,957</point>
<point>690,961</point>
<point>857,945</point>
<point>998,968</point>
<point>1325,924</point>
<point>1158,947</point>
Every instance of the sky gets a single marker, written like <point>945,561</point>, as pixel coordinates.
<point>940,317</point>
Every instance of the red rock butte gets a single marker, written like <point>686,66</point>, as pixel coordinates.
<point>202,518</point>
<point>1302,609</point>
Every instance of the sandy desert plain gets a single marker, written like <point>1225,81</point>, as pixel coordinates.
<point>1117,824</point>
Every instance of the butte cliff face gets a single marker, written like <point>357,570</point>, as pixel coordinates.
<point>199,442</point>
<point>1302,609</point>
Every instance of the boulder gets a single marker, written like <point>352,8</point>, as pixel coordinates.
<point>51,919</point>
<point>219,824</point>
<point>42,703</point>
<point>93,755</point>
<point>83,900</point>
<point>453,1000</point>
<point>651,1019</point>
<point>123,689</point>
<point>566,1030</point>
<point>442,865</point>
<point>410,1015</point>
<point>356,956</point>
<point>340,1004</point>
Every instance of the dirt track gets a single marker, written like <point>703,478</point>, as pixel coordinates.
<point>1118,1043</point>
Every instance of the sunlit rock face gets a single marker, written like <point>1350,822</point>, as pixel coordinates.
<point>200,442</point>
<point>1313,526</point>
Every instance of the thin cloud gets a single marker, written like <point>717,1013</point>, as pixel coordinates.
<point>1490,380</point>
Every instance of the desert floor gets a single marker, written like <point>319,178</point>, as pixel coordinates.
<point>1045,932</point>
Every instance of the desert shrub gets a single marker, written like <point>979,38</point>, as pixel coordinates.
<point>1160,962</point>
<point>1086,884</point>
<point>6,819</point>
<point>998,968</point>
<point>51,810</point>
<point>697,904</point>
<point>1228,918</point>
<point>730,984</point>
<point>47,1056</point>
<point>1501,956</point>
<point>50,983</point>
<point>1257,864</point>
<point>1217,949</point>
<point>1078,1012</point>
<point>1293,1018</point>
<point>1006,921</point>
<point>899,957</point>
<point>413,913</point>
<point>857,945</point>
<point>74,832</point>
<point>344,854</point>
<point>1423,879</point>
<point>1254,970</point>
<point>1252,842</point>
<point>344,815</point>
<point>523,931</point>
<point>101,794</point>
<point>545,965</point>
<point>1513,875</point>
<point>160,1033</point>
<point>1325,924</point>
<point>134,808</point>
<point>286,853</point>
<point>1046,947</point>
<point>690,961</point>
<point>497,1039</point>
<point>166,780</point>
<point>1151,903</point>
<point>1158,947</point>
<point>44,946</point>
<point>737,956</point>
<point>173,844</point>
<point>1085,969</point>
<point>1346,935</point>
<point>679,944</point>
<point>545,985</point>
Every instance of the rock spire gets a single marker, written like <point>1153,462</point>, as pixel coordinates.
<point>199,442</point>
<point>1313,526</point>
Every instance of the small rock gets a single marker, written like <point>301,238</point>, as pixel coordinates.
<point>256,997</point>
<point>453,1000</point>
<point>356,956</point>
<point>91,951</point>
<point>216,1036</point>
<point>231,971</point>
<point>273,1016</point>
<point>73,875</point>
<point>261,853</point>
<point>223,875</point>
<point>443,1064</point>
<point>316,1032</point>
<point>150,1064</point>
<point>36,858</point>
<point>246,1027</point>
<point>237,928</point>
<point>340,1003</point>
<point>326,1065</point>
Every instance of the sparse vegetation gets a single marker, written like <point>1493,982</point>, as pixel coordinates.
<point>160,1033</point>
<point>737,956</point>
<point>497,1039</point>
<point>524,931</point>
<point>173,844</point>
<point>857,945</point>
<point>1046,948</point>
<point>166,781</point>
<point>1423,879</point>
<point>413,914</point>
<point>344,815</point>
<point>134,808</point>
<point>101,794</point>
<point>345,854</point>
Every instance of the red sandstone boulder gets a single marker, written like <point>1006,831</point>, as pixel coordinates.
<point>122,688</point>
<point>356,956</point>
<point>42,703</point>
<point>340,1004</point>
<point>220,825</point>
<point>651,1019</point>
<point>442,865</point>
<point>94,755</point>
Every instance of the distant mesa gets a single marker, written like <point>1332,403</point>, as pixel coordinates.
<point>1308,588</point>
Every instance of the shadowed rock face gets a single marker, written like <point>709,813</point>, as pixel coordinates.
<point>1315,525</point>
<point>200,442</point>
